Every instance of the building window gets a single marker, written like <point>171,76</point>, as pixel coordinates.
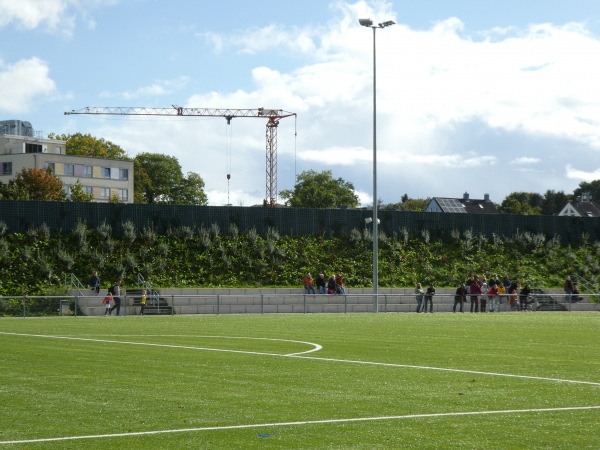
<point>87,171</point>
<point>123,174</point>
<point>6,168</point>
<point>123,195</point>
<point>88,190</point>
<point>57,150</point>
<point>104,193</point>
<point>106,172</point>
<point>69,170</point>
<point>33,148</point>
<point>68,190</point>
<point>50,166</point>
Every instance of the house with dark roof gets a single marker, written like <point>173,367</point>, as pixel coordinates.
<point>464,205</point>
<point>581,207</point>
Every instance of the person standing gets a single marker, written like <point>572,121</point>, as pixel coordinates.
<point>429,298</point>
<point>419,293</point>
<point>493,297</point>
<point>106,302</point>
<point>460,297</point>
<point>115,290</point>
<point>475,291</point>
<point>143,302</point>
<point>308,284</point>
<point>95,283</point>
<point>321,284</point>
<point>568,288</point>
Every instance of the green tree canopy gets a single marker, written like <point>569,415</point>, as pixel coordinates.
<point>593,187</point>
<point>320,190</point>
<point>159,179</point>
<point>87,145</point>
<point>554,202</point>
<point>79,195</point>
<point>408,204</point>
<point>526,203</point>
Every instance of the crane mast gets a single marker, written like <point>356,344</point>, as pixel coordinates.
<point>273,117</point>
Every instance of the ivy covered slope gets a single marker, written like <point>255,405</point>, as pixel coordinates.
<point>36,262</point>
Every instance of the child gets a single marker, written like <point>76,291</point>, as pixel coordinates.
<point>106,302</point>
<point>143,302</point>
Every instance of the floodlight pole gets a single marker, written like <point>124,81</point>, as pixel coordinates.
<point>369,23</point>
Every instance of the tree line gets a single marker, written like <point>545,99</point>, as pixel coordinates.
<point>159,178</point>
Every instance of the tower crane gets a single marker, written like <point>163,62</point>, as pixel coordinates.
<point>273,117</point>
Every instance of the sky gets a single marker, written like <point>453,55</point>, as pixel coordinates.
<point>485,97</point>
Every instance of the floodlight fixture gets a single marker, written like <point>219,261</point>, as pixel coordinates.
<point>386,24</point>
<point>365,22</point>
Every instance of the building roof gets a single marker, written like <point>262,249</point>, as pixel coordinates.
<point>464,205</point>
<point>580,209</point>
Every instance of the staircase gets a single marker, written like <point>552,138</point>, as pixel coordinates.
<point>155,304</point>
<point>546,302</point>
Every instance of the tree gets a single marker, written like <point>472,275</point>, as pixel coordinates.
<point>158,179</point>
<point>87,145</point>
<point>526,203</point>
<point>320,190</point>
<point>36,184</point>
<point>409,204</point>
<point>554,202</point>
<point>593,187</point>
<point>79,195</point>
<point>191,190</point>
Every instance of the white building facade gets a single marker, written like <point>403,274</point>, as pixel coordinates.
<point>103,178</point>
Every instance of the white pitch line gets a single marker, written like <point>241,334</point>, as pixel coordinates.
<point>315,358</point>
<point>306,422</point>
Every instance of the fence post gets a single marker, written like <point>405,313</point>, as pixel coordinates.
<point>24,306</point>
<point>218,304</point>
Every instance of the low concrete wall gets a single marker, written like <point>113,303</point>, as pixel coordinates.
<point>272,301</point>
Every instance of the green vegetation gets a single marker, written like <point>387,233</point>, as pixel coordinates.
<point>107,378</point>
<point>35,263</point>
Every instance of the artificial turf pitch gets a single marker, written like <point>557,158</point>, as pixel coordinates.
<point>508,380</point>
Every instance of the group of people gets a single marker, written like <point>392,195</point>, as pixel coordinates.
<point>112,301</point>
<point>335,284</point>
<point>485,295</point>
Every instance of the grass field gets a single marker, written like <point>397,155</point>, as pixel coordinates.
<point>368,381</point>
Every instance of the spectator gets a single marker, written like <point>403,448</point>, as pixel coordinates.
<point>106,302</point>
<point>339,284</point>
<point>419,292</point>
<point>525,297</point>
<point>429,298</point>
<point>492,294</point>
<point>483,300</point>
<point>513,296</point>
<point>115,290</point>
<point>143,302</point>
<point>475,291</point>
<point>576,297</point>
<point>501,294</point>
<point>506,283</point>
<point>308,284</point>
<point>95,282</point>
<point>568,288</point>
<point>321,284</point>
<point>460,297</point>
<point>331,285</point>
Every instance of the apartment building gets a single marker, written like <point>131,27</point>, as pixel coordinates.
<point>20,148</point>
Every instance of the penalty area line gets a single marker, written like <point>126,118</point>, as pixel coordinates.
<point>305,422</point>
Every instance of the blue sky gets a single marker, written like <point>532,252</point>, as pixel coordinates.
<point>481,97</point>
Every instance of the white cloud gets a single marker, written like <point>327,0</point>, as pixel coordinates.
<point>22,83</point>
<point>158,88</point>
<point>582,175</point>
<point>525,160</point>
<point>53,15</point>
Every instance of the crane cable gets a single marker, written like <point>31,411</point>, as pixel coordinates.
<point>228,139</point>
